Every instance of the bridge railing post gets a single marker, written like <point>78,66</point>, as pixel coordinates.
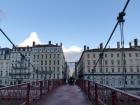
<point>114,97</point>
<point>48,86</point>
<point>89,90</point>
<point>41,88</point>
<point>96,94</point>
<point>28,94</point>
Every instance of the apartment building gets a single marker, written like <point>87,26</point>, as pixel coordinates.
<point>48,61</point>
<point>38,62</point>
<point>4,66</point>
<point>111,69</point>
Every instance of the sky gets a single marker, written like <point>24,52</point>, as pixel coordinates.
<point>75,23</point>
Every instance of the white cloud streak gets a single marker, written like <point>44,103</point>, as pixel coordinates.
<point>28,41</point>
<point>72,53</point>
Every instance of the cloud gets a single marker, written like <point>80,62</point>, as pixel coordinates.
<point>28,41</point>
<point>2,15</point>
<point>72,53</point>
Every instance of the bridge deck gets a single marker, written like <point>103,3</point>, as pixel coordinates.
<point>65,95</point>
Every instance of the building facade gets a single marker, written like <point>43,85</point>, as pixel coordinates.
<point>4,66</point>
<point>39,62</point>
<point>111,69</point>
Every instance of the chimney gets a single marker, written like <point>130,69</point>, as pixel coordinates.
<point>61,44</point>
<point>87,47</point>
<point>49,42</point>
<point>101,45</point>
<point>33,43</point>
<point>84,47</point>
<point>135,42</point>
<point>56,44</point>
<point>118,44</point>
<point>130,45</point>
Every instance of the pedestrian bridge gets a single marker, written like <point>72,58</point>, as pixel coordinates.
<point>56,92</point>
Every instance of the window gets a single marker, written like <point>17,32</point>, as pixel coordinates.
<point>1,73</point>
<point>118,62</point>
<point>57,62</point>
<point>49,75</point>
<point>57,69</point>
<point>49,62</point>
<point>136,54</point>
<point>106,69</point>
<point>37,56</point>
<point>126,82</point>
<point>138,82</point>
<point>138,69</point>
<point>118,69</point>
<point>118,55</point>
<point>94,55</point>
<point>112,70</point>
<point>49,68</point>
<point>89,69</point>
<point>130,55</point>
<point>132,82</point>
<point>54,62</point>
<point>106,62</point>
<point>49,55</point>
<point>88,56</point>
<point>101,70</point>
<point>53,75</point>
<point>45,62</point>
<point>42,56</point>
<point>88,62</point>
<point>111,55</point>
<point>57,76</point>
<point>41,62</point>
<point>112,62</point>
<point>131,76</point>
<point>58,55</point>
<point>107,82</point>
<point>105,55</point>
<point>94,61</point>
<point>131,69</point>
<point>54,56</point>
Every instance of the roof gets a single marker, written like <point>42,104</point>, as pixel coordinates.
<point>110,50</point>
<point>47,45</point>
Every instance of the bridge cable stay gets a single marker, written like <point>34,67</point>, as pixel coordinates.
<point>23,57</point>
<point>119,20</point>
<point>123,61</point>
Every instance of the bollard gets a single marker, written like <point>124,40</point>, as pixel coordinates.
<point>114,98</point>
<point>48,86</point>
<point>41,87</point>
<point>96,94</point>
<point>89,90</point>
<point>28,94</point>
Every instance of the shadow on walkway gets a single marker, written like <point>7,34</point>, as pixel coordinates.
<point>64,95</point>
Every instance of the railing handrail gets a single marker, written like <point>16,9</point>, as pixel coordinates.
<point>9,86</point>
<point>106,95</point>
<point>120,91</point>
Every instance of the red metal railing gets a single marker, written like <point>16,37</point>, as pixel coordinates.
<point>24,94</point>
<point>104,95</point>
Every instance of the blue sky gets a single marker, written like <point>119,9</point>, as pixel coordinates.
<point>73,22</point>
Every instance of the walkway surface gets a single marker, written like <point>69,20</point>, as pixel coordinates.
<point>65,95</point>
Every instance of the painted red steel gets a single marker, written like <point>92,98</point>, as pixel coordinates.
<point>104,95</point>
<point>28,92</point>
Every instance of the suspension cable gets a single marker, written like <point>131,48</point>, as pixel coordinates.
<point>22,56</point>
<point>119,19</point>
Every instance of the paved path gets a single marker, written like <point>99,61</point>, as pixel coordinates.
<point>65,95</point>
